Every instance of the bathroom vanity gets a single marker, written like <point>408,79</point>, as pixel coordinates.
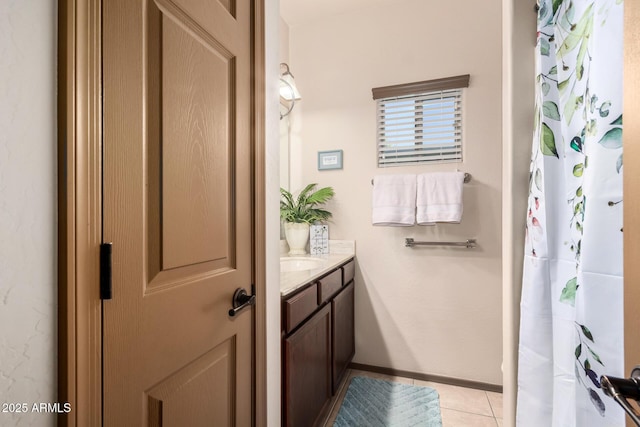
<point>317,336</point>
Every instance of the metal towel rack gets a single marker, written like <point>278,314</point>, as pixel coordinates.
<point>469,244</point>
<point>467,178</point>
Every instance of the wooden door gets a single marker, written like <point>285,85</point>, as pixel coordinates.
<point>631,170</point>
<point>178,210</point>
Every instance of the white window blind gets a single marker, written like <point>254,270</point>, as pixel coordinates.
<point>420,127</point>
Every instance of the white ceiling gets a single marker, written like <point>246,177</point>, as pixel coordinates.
<point>297,12</point>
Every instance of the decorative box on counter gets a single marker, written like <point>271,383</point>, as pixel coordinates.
<point>319,239</point>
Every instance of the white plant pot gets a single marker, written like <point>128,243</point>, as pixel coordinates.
<point>297,234</point>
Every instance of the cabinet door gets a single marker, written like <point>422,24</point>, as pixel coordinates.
<point>307,370</point>
<point>342,316</point>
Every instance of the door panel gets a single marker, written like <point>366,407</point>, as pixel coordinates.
<point>177,207</point>
<point>197,393</point>
<point>197,81</point>
<point>197,141</point>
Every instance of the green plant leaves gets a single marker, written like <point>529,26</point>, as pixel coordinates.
<point>581,30</point>
<point>567,18</point>
<point>544,46</point>
<point>576,144</point>
<point>550,110</point>
<point>586,332</point>
<point>548,141</point>
<point>568,295</point>
<point>578,351</point>
<point>604,109</point>
<point>592,103</point>
<point>578,170</point>
<point>612,139</point>
<point>562,86</point>
<point>573,103</point>
<point>617,121</point>
<point>595,356</point>
<point>321,196</point>
<point>303,209</point>
<point>619,164</point>
<point>580,59</point>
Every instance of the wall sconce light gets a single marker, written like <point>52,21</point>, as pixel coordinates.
<point>288,90</point>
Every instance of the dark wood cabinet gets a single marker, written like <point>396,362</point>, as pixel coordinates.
<point>342,333</point>
<point>329,285</point>
<point>299,307</point>
<point>318,344</point>
<point>307,358</point>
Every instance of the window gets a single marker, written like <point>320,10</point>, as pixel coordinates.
<point>420,122</point>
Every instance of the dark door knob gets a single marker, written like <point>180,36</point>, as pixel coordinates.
<point>241,300</point>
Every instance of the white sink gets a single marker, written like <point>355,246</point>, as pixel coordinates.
<point>300,263</point>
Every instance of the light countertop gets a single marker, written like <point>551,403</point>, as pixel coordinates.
<point>340,252</point>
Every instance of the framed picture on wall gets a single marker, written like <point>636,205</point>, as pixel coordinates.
<point>328,160</point>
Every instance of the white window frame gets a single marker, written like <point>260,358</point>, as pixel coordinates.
<point>420,123</point>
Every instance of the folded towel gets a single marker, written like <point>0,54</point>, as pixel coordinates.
<point>439,197</point>
<point>394,200</point>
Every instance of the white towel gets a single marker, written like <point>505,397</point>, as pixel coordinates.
<point>439,197</point>
<point>394,200</point>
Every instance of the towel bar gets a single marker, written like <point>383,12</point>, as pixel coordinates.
<point>467,178</point>
<point>469,244</point>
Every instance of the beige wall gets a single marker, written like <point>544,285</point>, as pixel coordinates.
<point>434,311</point>
<point>283,35</point>
<point>28,285</point>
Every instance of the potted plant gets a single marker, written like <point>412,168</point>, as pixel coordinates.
<point>298,213</point>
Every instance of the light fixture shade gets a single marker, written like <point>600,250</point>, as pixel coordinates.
<point>288,89</point>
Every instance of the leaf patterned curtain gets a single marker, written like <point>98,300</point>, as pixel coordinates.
<point>571,329</point>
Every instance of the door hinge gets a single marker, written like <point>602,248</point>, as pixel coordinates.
<point>105,271</point>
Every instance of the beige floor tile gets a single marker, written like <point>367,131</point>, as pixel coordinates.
<point>376,375</point>
<point>495,399</point>
<point>499,420</point>
<point>461,399</point>
<point>452,418</point>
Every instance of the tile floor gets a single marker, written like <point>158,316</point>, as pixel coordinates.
<point>460,407</point>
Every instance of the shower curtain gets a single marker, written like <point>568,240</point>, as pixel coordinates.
<point>571,329</point>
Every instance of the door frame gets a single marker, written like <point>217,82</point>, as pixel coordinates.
<point>80,206</point>
<point>631,187</point>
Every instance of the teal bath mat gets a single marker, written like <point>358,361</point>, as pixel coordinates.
<point>377,403</point>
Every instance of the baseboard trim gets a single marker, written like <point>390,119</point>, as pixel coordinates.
<point>428,377</point>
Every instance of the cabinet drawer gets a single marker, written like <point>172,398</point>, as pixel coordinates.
<point>299,307</point>
<point>329,285</point>
<point>349,271</point>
